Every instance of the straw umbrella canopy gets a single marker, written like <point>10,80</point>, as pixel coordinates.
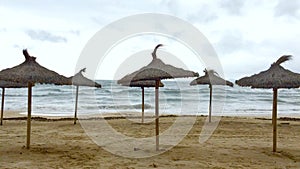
<point>31,72</point>
<point>142,85</point>
<point>275,77</point>
<point>8,84</point>
<point>210,78</point>
<point>157,70</point>
<point>79,80</point>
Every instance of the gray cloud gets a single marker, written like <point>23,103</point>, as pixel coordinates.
<point>283,46</point>
<point>16,46</point>
<point>3,30</point>
<point>202,12</point>
<point>203,16</point>
<point>173,6</point>
<point>75,32</point>
<point>44,36</point>
<point>233,41</point>
<point>233,6</point>
<point>288,8</point>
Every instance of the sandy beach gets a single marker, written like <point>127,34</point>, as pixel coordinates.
<point>238,142</point>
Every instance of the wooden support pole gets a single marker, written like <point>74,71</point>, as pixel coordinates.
<point>143,104</point>
<point>157,114</point>
<point>76,104</point>
<point>2,105</point>
<point>210,102</point>
<point>29,115</point>
<point>274,119</point>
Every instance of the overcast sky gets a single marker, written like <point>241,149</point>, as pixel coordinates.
<point>247,35</point>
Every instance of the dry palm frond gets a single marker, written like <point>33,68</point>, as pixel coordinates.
<point>27,56</point>
<point>211,77</point>
<point>275,77</point>
<point>283,59</point>
<point>9,84</point>
<point>82,70</point>
<point>211,71</point>
<point>157,70</point>
<point>32,72</point>
<point>79,80</point>
<point>154,51</point>
<point>143,83</point>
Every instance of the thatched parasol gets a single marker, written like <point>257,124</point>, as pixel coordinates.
<point>275,77</point>
<point>8,84</point>
<point>211,78</point>
<point>157,70</point>
<point>142,85</point>
<point>79,80</point>
<point>31,72</point>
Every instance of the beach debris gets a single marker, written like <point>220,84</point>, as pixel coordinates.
<point>136,149</point>
<point>153,165</point>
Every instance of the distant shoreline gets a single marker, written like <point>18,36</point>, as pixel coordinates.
<point>107,116</point>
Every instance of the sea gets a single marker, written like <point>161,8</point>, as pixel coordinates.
<point>177,97</point>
